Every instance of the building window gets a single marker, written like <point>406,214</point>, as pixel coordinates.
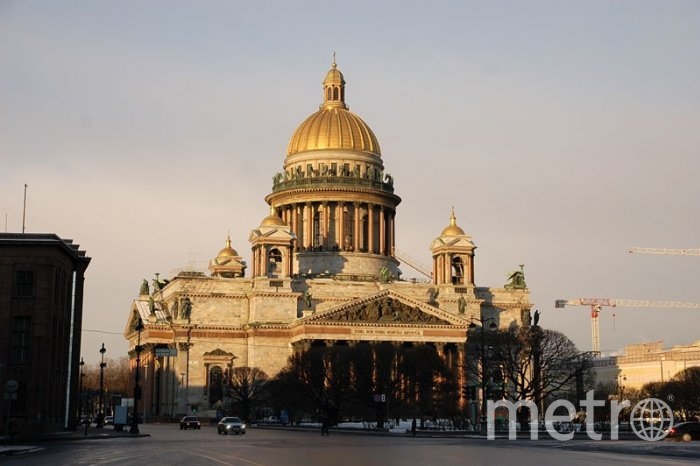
<point>274,259</point>
<point>348,229</point>
<point>457,271</point>
<point>24,283</point>
<point>332,230</point>
<point>216,388</point>
<point>317,237</point>
<point>20,339</point>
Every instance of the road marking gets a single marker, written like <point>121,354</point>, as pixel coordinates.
<point>229,456</point>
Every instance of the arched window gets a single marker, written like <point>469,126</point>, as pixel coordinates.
<point>332,230</point>
<point>457,271</point>
<point>317,235</point>
<point>274,259</point>
<point>335,93</point>
<point>216,385</point>
<point>349,229</point>
<point>329,94</point>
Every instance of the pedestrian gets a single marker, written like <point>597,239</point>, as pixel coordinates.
<point>324,427</point>
<point>413,427</point>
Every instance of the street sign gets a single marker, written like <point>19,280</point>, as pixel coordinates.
<point>165,352</point>
<point>11,386</point>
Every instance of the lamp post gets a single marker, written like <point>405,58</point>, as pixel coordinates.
<point>80,397</point>
<point>137,388</point>
<point>484,370</point>
<point>80,391</point>
<point>620,388</point>
<point>101,414</point>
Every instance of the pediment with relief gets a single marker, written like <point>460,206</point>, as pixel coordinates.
<point>383,309</point>
<point>218,352</point>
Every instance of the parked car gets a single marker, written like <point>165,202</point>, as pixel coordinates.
<point>231,425</point>
<point>685,431</point>
<point>190,422</point>
<point>109,420</point>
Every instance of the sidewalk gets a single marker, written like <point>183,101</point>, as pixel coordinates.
<point>24,443</point>
<point>627,443</point>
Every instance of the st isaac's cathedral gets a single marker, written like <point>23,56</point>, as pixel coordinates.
<point>323,271</point>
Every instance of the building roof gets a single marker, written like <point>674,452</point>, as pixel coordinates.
<point>44,239</point>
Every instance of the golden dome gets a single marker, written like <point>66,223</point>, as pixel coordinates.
<point>333,126</point>
<point>452,229</point>
<point>228,251</point>
<point>272,220</point>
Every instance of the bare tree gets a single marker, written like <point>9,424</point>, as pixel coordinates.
<point>681,393</point>
<point>423,371</point>
<point>117,375</point>
<point>323,376</point>
<point>247,388</point>
<point>528,364</point>
<point>375,373</point>
<point>331,380</point>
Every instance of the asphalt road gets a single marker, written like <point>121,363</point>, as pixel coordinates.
<point>168,445</point>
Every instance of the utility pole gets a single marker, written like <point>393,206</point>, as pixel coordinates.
<point>24,207</point>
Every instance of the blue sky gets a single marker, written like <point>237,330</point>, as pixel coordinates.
<point>561,132</point>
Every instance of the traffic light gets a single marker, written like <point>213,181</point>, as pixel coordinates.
<point>194,408</point>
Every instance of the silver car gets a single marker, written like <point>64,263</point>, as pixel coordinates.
<point>231,425</point>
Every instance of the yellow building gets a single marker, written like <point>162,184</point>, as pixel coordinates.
<point>323,271</point>
<point>642,363</point>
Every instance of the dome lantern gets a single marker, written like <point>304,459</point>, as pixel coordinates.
<point>333,126</point>
<point>334,88</point>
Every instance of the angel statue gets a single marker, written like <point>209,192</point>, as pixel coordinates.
<point>516,280</point>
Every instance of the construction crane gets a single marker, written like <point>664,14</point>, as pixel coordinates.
<point>665,251</point>
<point>597,303</point>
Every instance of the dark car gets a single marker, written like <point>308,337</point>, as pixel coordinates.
<point>231,425</point>
<point>190,422</point>
<point>685,431</point>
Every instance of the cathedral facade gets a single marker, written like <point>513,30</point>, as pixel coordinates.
<point>324,270</point>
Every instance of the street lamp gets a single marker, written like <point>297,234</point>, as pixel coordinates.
<point>484,370</point>
<point>101,414</point>
<point>621,378</point>
<point>80,397</point>
<point>137,388</point>
<point>80,392</point>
